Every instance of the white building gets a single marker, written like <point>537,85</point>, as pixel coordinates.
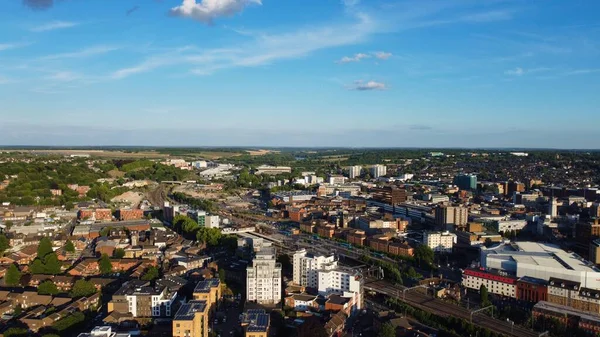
<point>541,261</point>
<point>553,208</point>
<point>266,169</point>
<point>378,171</point>
<point>106,331</point>
<point>200,164</point>
<point>509,225</point>
<point>263,278</point>
<point>336,180</point>
<point>405,176</point>
<point>323,273</point>
<point>441,242</point>
<point>499,283</point>
<point>306,265</point>
<point>211,221</point>
<point>354,171</point>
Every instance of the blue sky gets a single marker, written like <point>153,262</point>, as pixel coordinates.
<point>447,73</point>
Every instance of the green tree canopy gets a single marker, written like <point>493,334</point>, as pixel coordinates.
<point>83,288</point>
<point>483,294</point>
<point>151,274</point>
<point>16,332</point>
<point>210,236</point>
<point>47,288</point>
<point>13,276</point>
<point>44,248</point>
<point>119,253</point>
<point>70,247</point>
<point>105,264</point>
<point>4,244</point>
<point>387,330</point>
<point>424,254</point>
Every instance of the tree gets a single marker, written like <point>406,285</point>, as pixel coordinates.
<point>83,288</point>
<point>70,247</point>
<point>151,274</point>
<point>424,254</point>
<point>69,206</point>
<point>483,294</point>
<point>105,264</point>
<point>119,253</point>
<point>47,288</point>
<point>210,236</point>
<point>387,330</point>
<point>105,231</point>
<point>16,332</point>
<point>44,248</point>
<point>37,267</point>
<point>13,276</point>
<point>52,265</point>
<point>4,244</point>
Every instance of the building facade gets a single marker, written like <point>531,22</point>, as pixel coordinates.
<point>263,278</point>
<point>440,242</point>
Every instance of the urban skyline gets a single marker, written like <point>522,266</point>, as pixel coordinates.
<point>328,73</point>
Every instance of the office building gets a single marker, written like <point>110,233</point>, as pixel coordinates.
<point>542,261</point>
<point>449,217</point>
<point>390,195</point>
<point>514,186</point>
<point>191,320</point>
<point>440,242</point>
<point>594,254</point>
<point>378,171</point>
<point>273,170</point>
<point>466,181</point>
<point>336,180</point>
<point>354,172</point>
<point>263,278</point>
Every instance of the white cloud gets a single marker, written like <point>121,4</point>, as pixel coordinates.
<point>355,58</point>
<point>520,71</point>
<point>53,26</point>
<point>9,46</point>
<point>582,71</point>
<point>262,49</point>
<point>206,11</point>
<point>515,72</point>
<point>64,76</point>
<point>382,55</point>
<point>366,86</point>
<point>86,52</point>
<point>490,16</point>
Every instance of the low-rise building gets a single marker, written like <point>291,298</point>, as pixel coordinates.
<point>497,283</point>
<point>255,323</point>
<point>192,320</point>
<point>142,300</point>
<point>441,242</point>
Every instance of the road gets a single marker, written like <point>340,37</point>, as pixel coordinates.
<point>445,309</point>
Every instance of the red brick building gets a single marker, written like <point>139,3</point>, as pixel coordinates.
<point>532,289</point>
<point>130,214</point>
<point>356,237</point>
<point>400,248</point>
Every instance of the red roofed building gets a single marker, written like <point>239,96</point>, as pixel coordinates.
<point>130,214</point>
<point>496,282</point>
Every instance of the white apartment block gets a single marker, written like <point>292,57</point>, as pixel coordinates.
<point>496,283</point>
<point>440,242</point>
<point>263,278</point>
<point>378,171</point>
<point>354,171</point>
<point>323,273</point>
<point>306,265</point>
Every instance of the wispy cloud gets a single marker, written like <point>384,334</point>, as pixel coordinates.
<point>582,71</point>
<point>361,56</point>
<point>206,11</point>
<point>382,55</point>
<point>489,16</point>
<point>54,25</point>
<point>9,46</point>
<point>64,76</point>
<point>361,85</point>
<point>86,52</point>
<point>520,71</point>
<point>355,58</point>
<point>262,49</point>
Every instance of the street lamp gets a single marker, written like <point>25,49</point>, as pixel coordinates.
<point>512,325</point>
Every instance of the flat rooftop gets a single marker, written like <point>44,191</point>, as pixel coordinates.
<point>540,254</point>
<point>188,310</point>
<point>204,286</point>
